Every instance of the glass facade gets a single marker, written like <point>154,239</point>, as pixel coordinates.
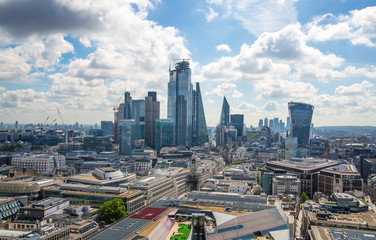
<point>152,110</point>
<point>180,101</point>
<point>164,133</point>
<point>225,114</point>
<point>108,128</point>
<point>200,130</point>
<point>300,117</point>
<point>126,136</point>
<point>127,106</point>
<point>138,114</point>
<point>237,120</point>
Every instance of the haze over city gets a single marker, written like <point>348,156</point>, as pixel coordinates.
<point>81,56</point>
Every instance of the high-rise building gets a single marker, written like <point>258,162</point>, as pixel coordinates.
<point>180,101</point>
<point>276,125</point>
<point>151,114</point>
<point>16,125</point>
<point>237,120</point>
<point>271,124</point>
<point>200,130</point>
<point>126,136</point>
<point>164,133</point>
<point>261,123</point>
<point>300,117</point>
<point>138,114</point>
<point>108,128</point>
<point>288,122</point>
<point>225,114</point>
<point>127,106</point>
<point>266,122</point>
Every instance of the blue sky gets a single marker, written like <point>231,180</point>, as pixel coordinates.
<point>80,56</point>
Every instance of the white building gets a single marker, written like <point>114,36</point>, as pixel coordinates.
<point>41,163</point>
<point>286,184</point>
<point>238,187</point>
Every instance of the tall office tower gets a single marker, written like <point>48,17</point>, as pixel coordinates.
<point>237,120</point>
<point>108,128</point>
<point>138,114</point>
<point>300,117</point>
<point>276,125</point>
<point>16,125</point>
<point>200,130</point>
<point>127,106</point>
<point>116,125</point>
<point>180,101</point>
<point>126,136</point>
<point>225,114</point>
<point>271,124</point>
<point>151,114</point>
<point>261,123</point>
<point>288,127</point>
<point>164,133</point>
<point>266,122</point>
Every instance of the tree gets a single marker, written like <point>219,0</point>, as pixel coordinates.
<point>36,147</point>
<point>303,197</point>
<point>112,210</point>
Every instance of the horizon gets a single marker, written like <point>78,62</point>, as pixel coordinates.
<point>80,57</point>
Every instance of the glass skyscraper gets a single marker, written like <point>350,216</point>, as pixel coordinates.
<point>151,114</point>
<point>108,128</point>
<point>200,130</point>
<point>225,114</point>
<point>126,136</point>
<point>180,103</point>
<point>164,133</point>
<point>237,120</point>
<point>138,114</point>
<point>300,117</point>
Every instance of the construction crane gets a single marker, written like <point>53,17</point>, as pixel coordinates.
<point>65,126</point>
<point>46,120</point>
<point>330,149</point>
<point>48,124</point>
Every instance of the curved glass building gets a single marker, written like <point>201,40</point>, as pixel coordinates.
<point>300,118</point>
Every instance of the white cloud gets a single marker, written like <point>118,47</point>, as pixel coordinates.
<point>369,72</point>
<point>361,89</point>
<point>258,16</point>
<point>271,106</point>
<point>211,14</point>
<point>226,89</point>
<point>223,47</point>
<point>358,26</point>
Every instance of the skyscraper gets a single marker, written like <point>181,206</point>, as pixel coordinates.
<point>151,114</point>
<point>126,136</point>
<point>127,106</point>
<point>180,107</point>
<point>108,128</point>
<point>300,117</point>
<point>266,122</point>
<point>164,133</point>
<point>138,114</point>
<point>225,114</point>
<point>200,130</point>
<point>260,123</point>
<point>237,120</point>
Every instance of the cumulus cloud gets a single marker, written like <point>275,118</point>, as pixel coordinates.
<point>271,106</point>
<point>358,26</point>
<point>369,72</point>
<point>258,16</point>
<point>355,89</point>
<point>211,14</point>
<point>226,89</point>
<point>223,47</point>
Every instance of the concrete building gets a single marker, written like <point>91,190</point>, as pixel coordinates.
<point>307,170</point>
<point>286,184</point>
<point>339,179</point>
<point>42,163</point>
<point>43,209</point>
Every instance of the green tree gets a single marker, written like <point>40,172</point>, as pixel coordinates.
<point>303,197</point>
<point>112,210</point>
<point>36,147</point>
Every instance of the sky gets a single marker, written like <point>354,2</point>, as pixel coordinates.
<point>80,57</point>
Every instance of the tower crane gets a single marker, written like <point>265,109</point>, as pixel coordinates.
<point>65,126</point>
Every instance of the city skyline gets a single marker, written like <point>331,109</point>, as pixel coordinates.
<point>81,57</point>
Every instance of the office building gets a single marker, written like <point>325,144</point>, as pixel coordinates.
<point>307,170</point>
<point>266,122</point>
<point>260,123</point>
<point>127,106</point>
<point>180,101</point>
<point>339,179</point>
<point>225,113</point>
<point>271,124</point>
<point>8,207</point>
<point>286,184</point>
<point>200,130</point>
<point>97,144</point>
<point>300,117</point>
<point>43,209</point>
<point>151,114</point>
<point>96,132</point>
<point>367,167</point>
<point>237,120</point>
<point>26,186</point>
<point>138,114</point>
<point>164,133</point>
<point>288,122</point>
<point>107,128</point>
<point>41,163</point>
<point>126,136</point>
